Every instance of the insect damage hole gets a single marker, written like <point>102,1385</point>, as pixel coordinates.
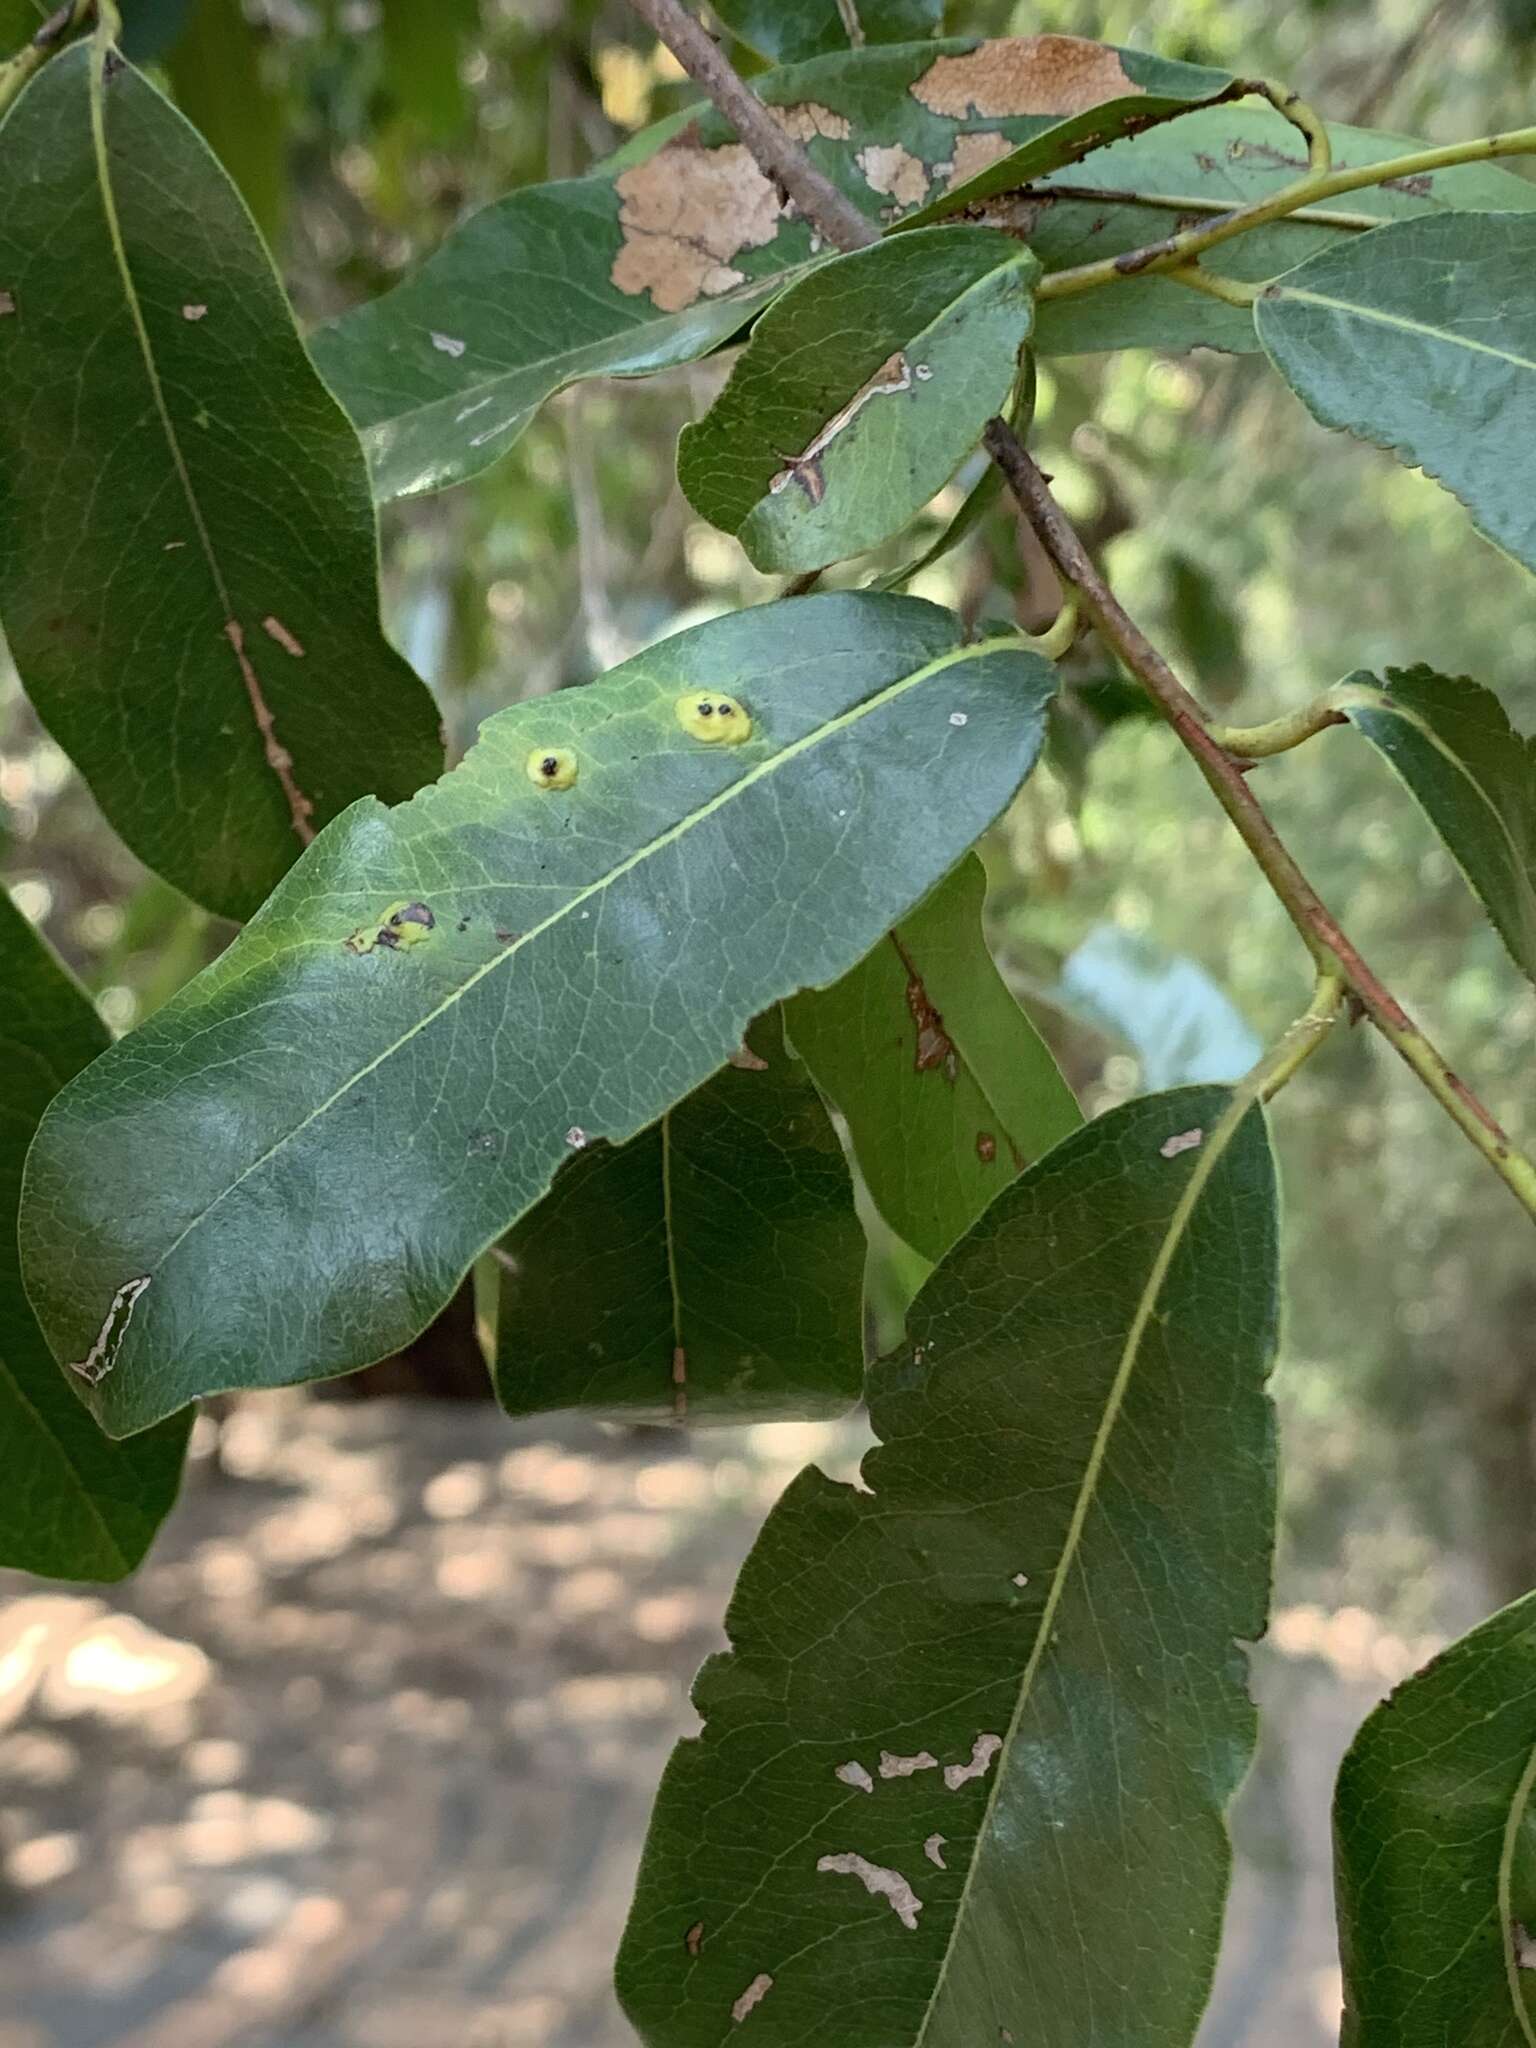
<point>879,1882</point>
<point>717,720</point>
<point>551,768</point>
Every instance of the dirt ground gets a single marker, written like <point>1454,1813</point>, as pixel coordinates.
<point>363,1757</point>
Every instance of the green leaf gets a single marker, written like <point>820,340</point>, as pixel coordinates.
<point>73,1504</point>
<point>788,30</point>
<point>187,548</point>
<point>947,1089</point>
<point>1202,165</point>
<point>215,71</point>
<point>150,26</point>
<point>1422,338</point>
<point>673,245</point>
<point>859,395</point>
<point>970,1753</point>
<point>711,1270</point>
<point>306,1149</point>
<point>1453,745</point>
<point>1435,1851</point>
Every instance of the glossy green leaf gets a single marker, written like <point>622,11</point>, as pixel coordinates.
<point>305,1150</point>
<point>668,250</point>
<point>1204,164</point>
<point>1435,1851</point>
<point>947,1089</point>
<point>1423,339</point>
<point>711,1270</point>
<point>219,675</point>
<point>859,395</point>
<point>73,1504</point>
<point>1453,745</point>
<point>215,72</point>
<point>963,1774</point>
<point>788,30</point>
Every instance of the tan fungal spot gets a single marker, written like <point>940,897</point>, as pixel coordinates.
<point>693,1940</point>
<point>853,1773</point>
<point>983,1749</point>
<point>551,767</point>
<point>1021,1578</point>
<point>685,213</point>
<point>194,312</point>
<point>933,1849</point>
<point>879,1882</point>
<point>279,760</point>
<point>747,1060</point>
<point>807,118</point>
<point>896,172</point>
<point>7,303</point>
<point>274,628</point>
<point>1181,1141</point>
<point>974,153</point>
<point>904,1766</point>
<point>1524,1947</point>
<point>986,1147</point>
<point>1024,75</point>
<point>754,1994</point>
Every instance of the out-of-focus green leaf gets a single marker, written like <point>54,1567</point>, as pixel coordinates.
<point>788,30</point>
<point>947,1088</point>
<point>679,239</point>
<point>73,1504</point>
<point>711,1270</point>
<point>1206,627</point>
<point>1206,163</point>
<point>423,43</point>
<point>218,674</point>
<point>1453,745</point>
<point>964,1771</point>
<point>859,395</point>
<point>1422,338</point>
<point>215,72</point>
<point>974,507</point>
<point>150,27</point>
<point>1435,1851</point>
<point>307,1148</point>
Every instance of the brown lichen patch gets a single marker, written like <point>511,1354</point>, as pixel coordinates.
<point>896,172</point>
<point>685,213</point>
<point>974,153</point>
<point>1024,75</point>
<point>807,118</point>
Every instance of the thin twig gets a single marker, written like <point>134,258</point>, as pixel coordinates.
<point>1332,950</point>
<point>59,26</point>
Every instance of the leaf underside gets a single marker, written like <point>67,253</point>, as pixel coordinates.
<point>73,1504</point>
<point>306,1149</point>
<point>220,677</point>
<point>947,1089</point>
<point>1435,1851</point>
<point>711,1270</point>
<point>972,1747</point>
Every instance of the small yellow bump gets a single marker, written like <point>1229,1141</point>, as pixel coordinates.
<point>551,768</point>
<point>717,720</point>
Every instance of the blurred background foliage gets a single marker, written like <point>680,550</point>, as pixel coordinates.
<point>1268,555</point>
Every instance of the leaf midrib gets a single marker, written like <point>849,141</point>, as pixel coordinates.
<point>1279,293</point>
<point>1211,1154</point>
<point>769,766</point>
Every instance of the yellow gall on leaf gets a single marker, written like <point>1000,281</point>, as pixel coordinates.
<point>551,768</point>
<point>716,719</point>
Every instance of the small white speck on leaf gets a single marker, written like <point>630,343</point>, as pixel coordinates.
<point>754,1994</point>
<point>1181,1141</point>
<point>1524,1947</point>
<point>478,406</point>
<point>958,718</point>
<point>194,312</point>
<point>448,344</point>
<point>904,1766</point>
<point>1021,1578</point>
<point>576,1138</point>
<point>7,303</point>
<point>173,544</point>
<point>854,1773</point>
<point>983,1749</point>
<point>879,1882</point>
<point>922,372</point>
<point>933,1849</point>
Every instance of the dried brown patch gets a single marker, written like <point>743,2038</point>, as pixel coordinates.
<point>974,153</point>
<point>1024,75</point>
<point>685,213</point>
<point>807,118</point>
<point>935,1047</point>
<point>896,172</point>
<point>747,1060</point>
<point>693,1940</point>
